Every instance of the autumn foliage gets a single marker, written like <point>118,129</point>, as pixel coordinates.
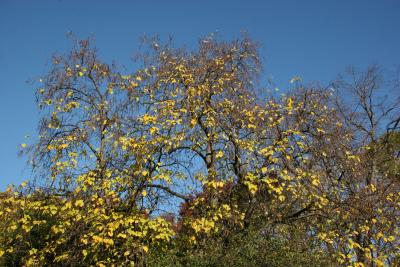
<point>187,161</point>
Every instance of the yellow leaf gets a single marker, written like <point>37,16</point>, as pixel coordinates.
<point>122,235</point>
<point>315,182</point>
<point>220,154</point>
<point>379,235</point>
<point>79,203</point>
<point>153,130</point>
<point>134,84</point>
<point>193,122</point>
<point>145,248</point>
<point>373,187</point>
<point>33,251</point>
<point>264,170</point>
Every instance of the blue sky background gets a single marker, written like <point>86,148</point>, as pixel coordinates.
<point>313,39</point>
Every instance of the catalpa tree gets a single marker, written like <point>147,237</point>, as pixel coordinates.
<point>186,151</point>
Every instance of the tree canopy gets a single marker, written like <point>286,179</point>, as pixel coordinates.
<point>187,161</point>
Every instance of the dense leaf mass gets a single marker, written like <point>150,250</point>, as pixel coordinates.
<point>188,162</point>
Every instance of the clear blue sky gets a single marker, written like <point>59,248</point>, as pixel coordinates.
<point>313,39</point>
